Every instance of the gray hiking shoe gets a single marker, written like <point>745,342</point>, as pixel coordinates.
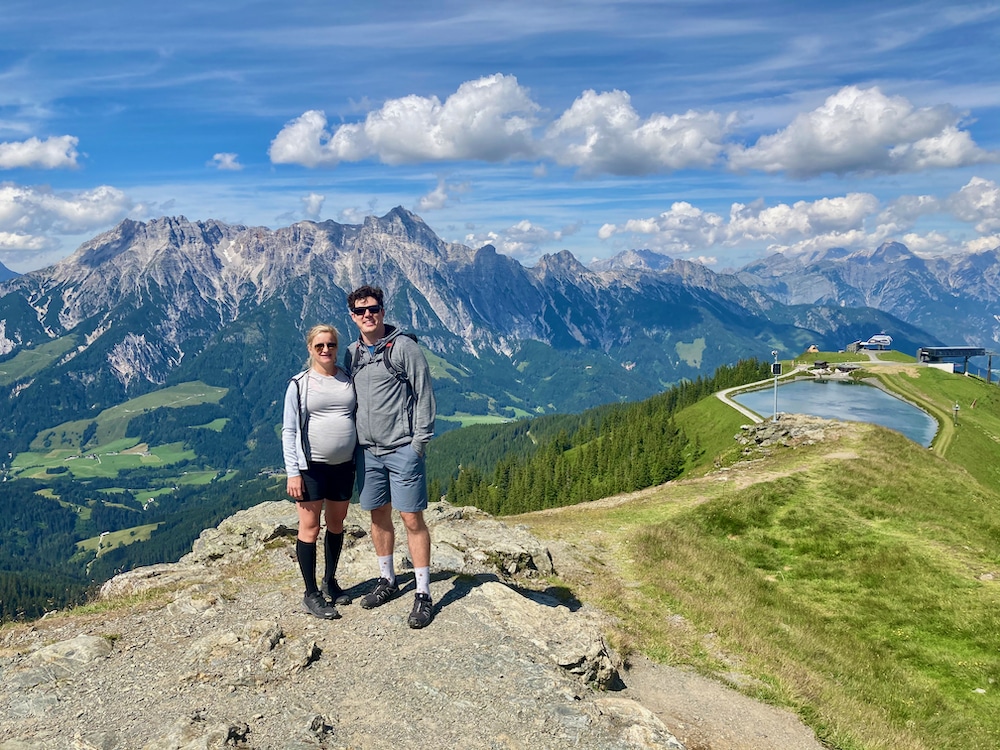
<point>316,604</point>
<point>422,612</point>
<point>383,592</point>
<point>331,589</point>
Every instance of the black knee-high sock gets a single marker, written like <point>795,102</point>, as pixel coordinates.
<point>332,545</point>
<point>306,553</point>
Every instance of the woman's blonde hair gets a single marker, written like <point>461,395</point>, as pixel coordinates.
<point>315,331</point>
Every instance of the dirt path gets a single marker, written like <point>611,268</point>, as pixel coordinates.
<point>706,715</point>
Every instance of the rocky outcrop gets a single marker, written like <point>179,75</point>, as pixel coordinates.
<point>217,651</point>
<point>789,431</point>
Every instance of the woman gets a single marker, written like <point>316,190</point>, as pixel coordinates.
<point>318,438</point>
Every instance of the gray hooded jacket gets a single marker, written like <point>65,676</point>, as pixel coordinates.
<point>392,413</point>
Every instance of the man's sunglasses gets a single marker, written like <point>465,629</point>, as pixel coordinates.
<point>323,345</point>
<point>360,311</point>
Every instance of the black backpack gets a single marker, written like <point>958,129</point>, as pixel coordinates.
<point>394,369</point>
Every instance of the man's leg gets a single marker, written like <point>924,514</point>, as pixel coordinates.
<point>384,539</point>
<point>418,539</point>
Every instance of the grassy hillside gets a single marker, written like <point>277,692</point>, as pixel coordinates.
<point>111,424</point>
<point>30,361</point>
<point>854,580</point>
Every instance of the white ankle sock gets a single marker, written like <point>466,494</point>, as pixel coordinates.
<point>423,576</point>
<point>386,569</point>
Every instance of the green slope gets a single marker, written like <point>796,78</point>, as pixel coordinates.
<point>853,580</point>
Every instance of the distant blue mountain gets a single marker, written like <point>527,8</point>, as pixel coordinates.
<point>6,274</point>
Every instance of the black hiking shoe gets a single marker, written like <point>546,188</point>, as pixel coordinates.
<point>422,612</point>
<point>316,604</point>
<point>383,592</point>
<point>331,589</point>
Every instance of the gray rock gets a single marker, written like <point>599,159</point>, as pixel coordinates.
<point>245,532</point>
<point>569,639</point>
<point>59,660</point>
<point>225,655</point>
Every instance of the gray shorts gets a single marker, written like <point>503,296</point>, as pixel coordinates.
<point>398,477</point>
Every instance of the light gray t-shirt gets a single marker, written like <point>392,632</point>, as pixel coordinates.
<point>330,403</point>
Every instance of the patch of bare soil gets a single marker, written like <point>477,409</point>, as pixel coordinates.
<point>706,715</point>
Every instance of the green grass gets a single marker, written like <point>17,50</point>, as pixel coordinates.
<point>851,580</point>
<point>974,442</point>
<point>216,425</point>
<point>29,361</point>
<point>203,477</point>
<point>894,356</point>
<point>442,369</point>
<point>112,423</point>
<point>122,538</point>
<point>105,462</point>
<point>712,425</point>
<point>466,419</point>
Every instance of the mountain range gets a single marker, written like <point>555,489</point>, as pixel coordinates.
<point>155,303</point>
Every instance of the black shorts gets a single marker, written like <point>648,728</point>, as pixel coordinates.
<point>326,482</point>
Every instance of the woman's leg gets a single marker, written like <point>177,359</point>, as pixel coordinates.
<point>305,542</point>
<point>333,544</point>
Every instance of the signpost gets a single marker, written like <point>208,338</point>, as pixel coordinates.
<point>776,371</point>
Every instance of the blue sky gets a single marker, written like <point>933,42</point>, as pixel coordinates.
<point>717,131</point>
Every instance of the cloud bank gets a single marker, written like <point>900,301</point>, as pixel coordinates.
<point>853,221</point>
<point>494,119</point>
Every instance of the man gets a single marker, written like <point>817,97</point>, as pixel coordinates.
<point>395,421</point>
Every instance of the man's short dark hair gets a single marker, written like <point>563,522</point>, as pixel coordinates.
<point>362,292</point>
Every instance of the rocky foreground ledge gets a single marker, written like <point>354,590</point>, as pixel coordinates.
<point>216,651</point>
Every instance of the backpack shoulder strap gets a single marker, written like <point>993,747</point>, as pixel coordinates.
<point>355,358</point>
<point>298,397</point>
<point>395,369</point>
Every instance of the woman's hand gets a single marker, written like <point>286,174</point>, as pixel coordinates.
<point>294,487</point>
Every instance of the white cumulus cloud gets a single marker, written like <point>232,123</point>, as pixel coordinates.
<point>682,229</point>
<point>312,206</point>
<point>440,197</point>
<point>19,241</point>
<point>783,222</point>
<point>978,202</point>
<point>854,221</point>
<point>58,152</point>
<point>602,133</point>
<point>489,119</point>
<point>523,240</point>
<point>226,162</point>
<point>493,119</point>
<point>863,131</point>
<point>686,229</point>
<point>31,216</point>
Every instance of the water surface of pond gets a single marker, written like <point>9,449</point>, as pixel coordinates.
<point>849,401</point>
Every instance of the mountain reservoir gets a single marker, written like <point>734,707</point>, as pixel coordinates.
<point>849,401</point>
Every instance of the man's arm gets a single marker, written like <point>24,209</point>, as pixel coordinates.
<point>424,404</point>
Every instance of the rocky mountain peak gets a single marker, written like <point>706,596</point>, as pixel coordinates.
<point>634,259</point>
<point>889,252</point>
<point>561,264</point>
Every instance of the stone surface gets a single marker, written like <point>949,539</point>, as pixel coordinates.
<point>217,651</point>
